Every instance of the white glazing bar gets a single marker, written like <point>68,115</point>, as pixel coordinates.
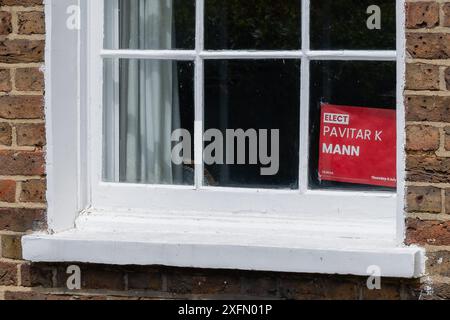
<point>186,55</point>
<point>304,101</point>
<point>116,75</point>
<point>199,93</point>
<point>369,55</point>
<point>242,54</point>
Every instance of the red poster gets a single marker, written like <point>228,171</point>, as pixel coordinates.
<point>358,145</point>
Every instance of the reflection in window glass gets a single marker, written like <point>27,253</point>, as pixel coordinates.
<point>252,24</point>
<point>150,99</point>
<point>249,94</point>
<point>150,24</point>
<point>337,87</point>
<point>353,24</point>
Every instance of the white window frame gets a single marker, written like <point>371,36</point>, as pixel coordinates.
<point>295,231</point>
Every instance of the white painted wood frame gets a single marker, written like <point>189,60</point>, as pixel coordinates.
<point>282,230</point>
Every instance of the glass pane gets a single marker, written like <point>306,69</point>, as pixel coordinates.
<point>352,125</point>
<point>145,101</point>
<point>150,24</point>
<point>353,24</point>
<point>252,24</point>
<point>262,98</point>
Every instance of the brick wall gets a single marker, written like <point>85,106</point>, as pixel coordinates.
<point>22,183</point>
<point>428,138</point>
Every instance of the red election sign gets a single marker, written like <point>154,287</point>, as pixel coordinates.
<point>358,145</point>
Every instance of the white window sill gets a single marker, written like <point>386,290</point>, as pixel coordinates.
<point>240,241</point>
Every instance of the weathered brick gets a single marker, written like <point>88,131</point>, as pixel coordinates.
<point>5,23</point>
<point>194,282</point>
<point>31,134</point>
<point>21,51</point>
<point>424,199</point>
<point>7,191</point>
<point>11,246</point>
<point>23,3</point>
<point>29,79</point>
<point>94,277</point>
<point>259,286</point>
<point>22,163</point>
<point>428,168</point>
<point>438,263</point>
<point>142,280</point>
<point>8,273</point>
<point>37,275</point>
<point>5,80</point>
<point>5,134</point>
<point>447,201</point>
<point>310,287</point>
<point>422,15</point>
<point>421,76</point>
<point>21,107</point>
<point>427,108</point>
<point>446,10</point>
<point>31,22</point>
<point>22,220</point>
<point>422,138</point>
<point>447,78</point>
<point>33,191</point>
<point>429,232</point>
<point>428,45</point>
<point>447,138</point>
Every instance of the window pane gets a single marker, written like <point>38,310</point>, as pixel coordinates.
<point>252,24</point>
<point>353,24</point>
<point>145,101</point>
<point>258,95</point>
<point>356,96</point>
<point>150,24</point>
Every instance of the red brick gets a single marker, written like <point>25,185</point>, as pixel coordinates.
<point>429,232</point>
<point>446,9</point>
<point>23,3</point>
<point>21,107</point>
<point>428,168</point>
<point>438,263</point>
<point>11,246</point>
<point>447,201</point>
<point>447,78</point>
<point>29,79</point>
<point>422,138</point>
<point>31,22</point>
<point>5,134</point>
<point>21,51</point>
<point>427,108</point>
<point>33,191</point>
<point>421,76</point>
<point>424,199</point>
<point>37,275</point>
<point>22,220</point>
<point>22,163</point>
<point>5,80</point>
<point>196,282</point>
<point>428,45</point>
<point>8,273</point>
<point>7,191</point>
<point>31,134</point>
<point>5,23</point>
<point>422,15</point>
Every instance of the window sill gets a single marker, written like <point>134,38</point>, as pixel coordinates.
<point>245,242</point>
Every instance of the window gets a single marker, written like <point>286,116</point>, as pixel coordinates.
<point>211,68</point>
<point>157,89</point>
